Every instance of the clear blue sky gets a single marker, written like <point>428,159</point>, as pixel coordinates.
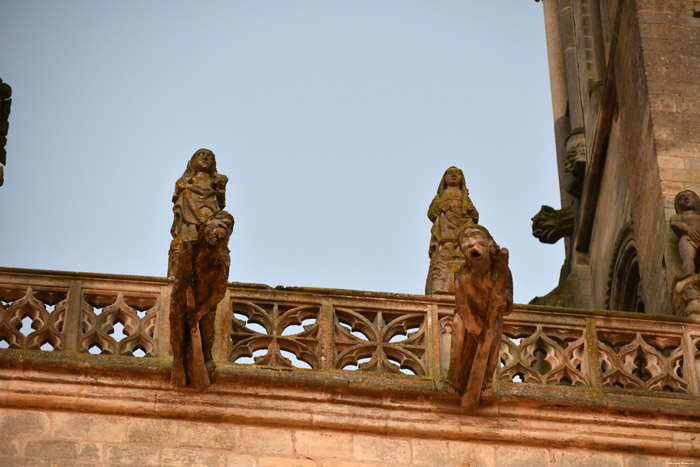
<point>334,121</point>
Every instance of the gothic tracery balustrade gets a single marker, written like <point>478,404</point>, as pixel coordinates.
<point>349,334</point>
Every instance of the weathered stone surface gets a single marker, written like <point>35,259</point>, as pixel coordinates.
<point>25,462</point>
<point>266,461</point>
<point>199,193</point>
<point>323,444</point>
<point>430,452</point>
<point>20,422</point>
<point>201,273</point>
<point>133,454</point>
<point>382,449</point>
<point>89,427</point>
<point>549,224</point>
<point>266,441</point>
<point>507,456</point>
<point>575,162</point>
<point>194,457</point>
<point>449,211</point>
<point>686,224</point>
<point>472,454</point>
<point>584,459</point>
<point>90,452</point>
<point>8,447</point>
<point>483,294</point>
<point>52,449</point>
<point>241,460</point>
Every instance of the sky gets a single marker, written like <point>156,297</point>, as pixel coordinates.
<point>334,121</point>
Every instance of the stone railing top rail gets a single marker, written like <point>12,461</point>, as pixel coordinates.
<point>350,337</point>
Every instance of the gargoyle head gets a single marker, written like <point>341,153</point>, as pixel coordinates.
<point>478,247</point>
<point>217,229</point>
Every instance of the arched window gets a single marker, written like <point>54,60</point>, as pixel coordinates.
<point>624,285</point>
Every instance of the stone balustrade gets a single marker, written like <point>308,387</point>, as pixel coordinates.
<point>346,337</point>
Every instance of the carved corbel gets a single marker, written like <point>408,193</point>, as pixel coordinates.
<point>549,225</point>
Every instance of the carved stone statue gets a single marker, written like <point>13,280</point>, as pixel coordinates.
<point>199,193</point>
<point>450,210</point>
<point>686,224</point>
<point>483,294</point>
<point>201,269</point>
<point>549,225</point>
<point>5,104</point>
<point>575,162</point>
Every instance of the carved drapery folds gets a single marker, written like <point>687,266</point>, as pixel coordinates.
<point>483,295</point>
<point>199,193</point>
<point>450,210</point>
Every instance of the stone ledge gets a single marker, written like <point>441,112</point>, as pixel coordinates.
<point>279,398</point>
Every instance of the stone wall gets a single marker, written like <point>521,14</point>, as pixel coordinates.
<point>54,438</point>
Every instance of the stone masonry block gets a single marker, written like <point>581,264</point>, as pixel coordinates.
<point>8,447</point>
<point>153,430</point>
<point>24,462</point>
<point>241,460</point>
<point>653,461</point>
<point>90,452</point>
<point>266,461</point>
<point>567,458</point>
<point>197,434</point>
<point>21,422</point>
<point>323,444</point>
<point>133,454</point>
<point>72,463</point>
<point>680,175</point>
<point>89,427</point>
<point>692,163</point>
<point>507,456</point>
<point>52,449</point>
<point>195,457</point>
<point>384,449</point>
<point>671,162</point>
<point>472,454</point>
<point>266,441</point>
<point>430,452</point>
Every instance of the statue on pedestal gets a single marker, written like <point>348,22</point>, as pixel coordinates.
<point>199,193</point>
<point>199,264</point>
<point>450,210</point>
<point>483,295</point>
<point>686,225</point>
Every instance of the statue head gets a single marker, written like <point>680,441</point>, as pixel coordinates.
<point>453,177</point>
<point>575,160</point>
<point>478,247</point>
<point>203,160</point>
<point>686,200</point>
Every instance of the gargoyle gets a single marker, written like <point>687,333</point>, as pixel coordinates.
<point>483,294</point>
<point>201,269</point>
